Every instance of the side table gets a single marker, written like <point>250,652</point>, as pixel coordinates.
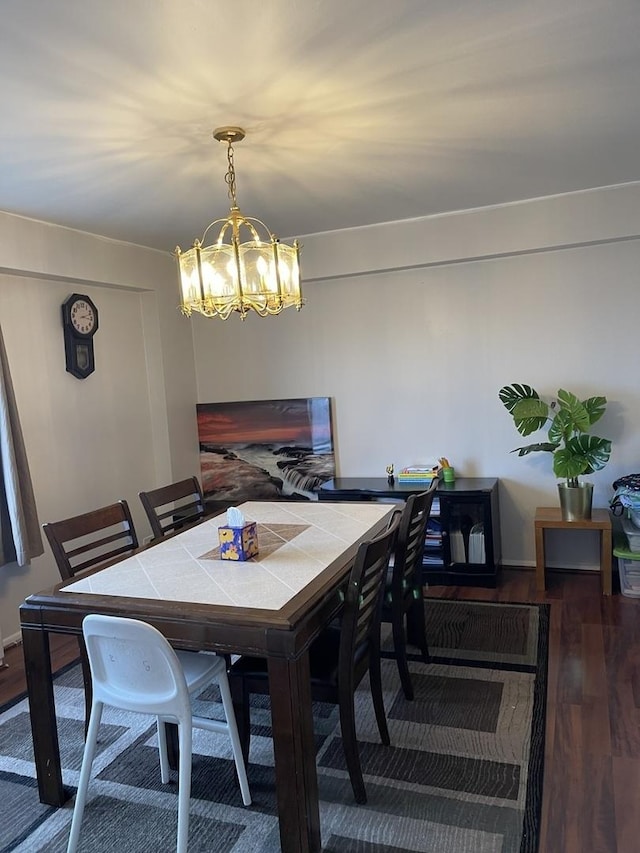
<point>550,518</point>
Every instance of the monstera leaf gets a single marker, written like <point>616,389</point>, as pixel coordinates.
<point>529,412</point>
<point>583,454</point>
<point>568,420</point>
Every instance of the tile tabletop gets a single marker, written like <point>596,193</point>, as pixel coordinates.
<point>297,540</point>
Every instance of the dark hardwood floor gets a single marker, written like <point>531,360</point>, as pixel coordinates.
<point>591,795</point>
<point>591,791</point>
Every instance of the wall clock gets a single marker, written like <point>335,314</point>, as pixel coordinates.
<point>80,323</point>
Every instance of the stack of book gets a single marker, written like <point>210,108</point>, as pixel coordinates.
<point>432,555</point>
<point>418,473</point>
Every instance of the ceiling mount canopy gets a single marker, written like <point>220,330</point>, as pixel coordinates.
<point>241,271</point>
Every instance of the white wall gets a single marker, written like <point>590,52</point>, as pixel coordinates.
<point>413,339</point>
<point>127,427</point>
<point>411,328</point>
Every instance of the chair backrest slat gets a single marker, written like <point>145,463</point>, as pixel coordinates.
<point>360,631</point>
<point>172,507</point>
<point>91,539</point>
<point>410,544</point>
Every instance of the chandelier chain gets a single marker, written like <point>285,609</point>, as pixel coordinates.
<point>230,177</point>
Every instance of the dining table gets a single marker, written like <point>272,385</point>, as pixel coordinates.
<point>272,605</point>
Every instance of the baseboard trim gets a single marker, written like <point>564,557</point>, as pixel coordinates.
<point>569,567</point>
<point>12,640</point>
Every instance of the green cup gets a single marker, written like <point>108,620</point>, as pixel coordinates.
<point>448,475</point>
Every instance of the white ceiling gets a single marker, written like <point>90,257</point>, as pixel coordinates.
<point>356,111</point>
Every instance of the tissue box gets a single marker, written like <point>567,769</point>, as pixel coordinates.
<point>238,543</point>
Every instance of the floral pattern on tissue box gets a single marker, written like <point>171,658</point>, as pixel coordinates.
<point>238,543</point>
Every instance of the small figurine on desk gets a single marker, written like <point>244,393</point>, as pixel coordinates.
<point>390,478</point>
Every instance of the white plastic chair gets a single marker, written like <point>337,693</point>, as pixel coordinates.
<point>134,668</point>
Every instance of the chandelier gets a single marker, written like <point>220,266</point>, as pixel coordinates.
<point>241,271</point>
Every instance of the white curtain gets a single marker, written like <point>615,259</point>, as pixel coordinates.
<point>20,537</point>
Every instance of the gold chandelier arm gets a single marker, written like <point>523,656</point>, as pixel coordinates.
<point>235,221</point>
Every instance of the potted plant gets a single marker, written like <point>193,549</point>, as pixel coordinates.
<point>568,421</point>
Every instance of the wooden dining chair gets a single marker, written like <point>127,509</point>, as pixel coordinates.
<point>88,541</point>
<point>338,658</point>
<point>403,604</point>
<point>171,507</point>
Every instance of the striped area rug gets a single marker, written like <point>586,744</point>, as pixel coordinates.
<point>463,773</point>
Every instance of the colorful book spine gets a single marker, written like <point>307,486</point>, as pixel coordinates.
<point>417,479</point>
<point>418,474</point>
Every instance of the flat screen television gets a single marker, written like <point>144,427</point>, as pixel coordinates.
<point>265,449</point>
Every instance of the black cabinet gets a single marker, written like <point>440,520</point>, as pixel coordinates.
<point>462,545</point>
<point>470,534</point>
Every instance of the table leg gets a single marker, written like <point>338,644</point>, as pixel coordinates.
<point>605,561</point>
<point>295,754</point>
<point>540,559</point>
<point>35,643</point>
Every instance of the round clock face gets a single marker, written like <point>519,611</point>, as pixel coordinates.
<point>83,316</point>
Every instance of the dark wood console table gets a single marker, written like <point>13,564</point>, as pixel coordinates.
<point>369,488</point>
<point>462,509</point>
